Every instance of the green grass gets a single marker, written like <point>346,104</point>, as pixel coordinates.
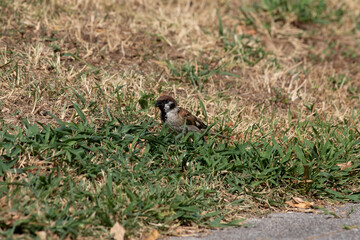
<point>242,47</point>
<point>197,74</point>
<point>338,81</point>
<point>93,176</point>
<point>306,11</point>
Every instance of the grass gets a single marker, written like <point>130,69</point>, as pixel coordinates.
<point>307,11</point>
<point>82,148</point>
<point>92,176</point>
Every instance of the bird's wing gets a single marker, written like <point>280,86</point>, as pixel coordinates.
<point>191,119</point>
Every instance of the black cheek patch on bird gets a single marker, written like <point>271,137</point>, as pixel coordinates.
<point>172,105</point>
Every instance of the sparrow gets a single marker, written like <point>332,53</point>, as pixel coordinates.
<point>177,118</point>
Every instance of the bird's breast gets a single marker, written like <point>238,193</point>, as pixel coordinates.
<point>174,121</point>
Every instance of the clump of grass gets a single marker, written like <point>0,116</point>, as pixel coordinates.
<point>337,82</point>
<point>196,74</point>
<point>279,97</point>
<point>306,11</point>
<point>244,47</point>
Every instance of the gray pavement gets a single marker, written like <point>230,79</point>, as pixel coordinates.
<point>294,226</point>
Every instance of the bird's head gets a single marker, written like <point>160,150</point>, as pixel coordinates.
<point>166,103</point>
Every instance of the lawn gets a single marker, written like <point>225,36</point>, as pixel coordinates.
<point>82,146</point>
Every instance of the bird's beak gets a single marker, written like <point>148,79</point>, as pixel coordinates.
<point>158,104</point>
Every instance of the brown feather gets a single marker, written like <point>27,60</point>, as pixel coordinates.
<point>191,119</point>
